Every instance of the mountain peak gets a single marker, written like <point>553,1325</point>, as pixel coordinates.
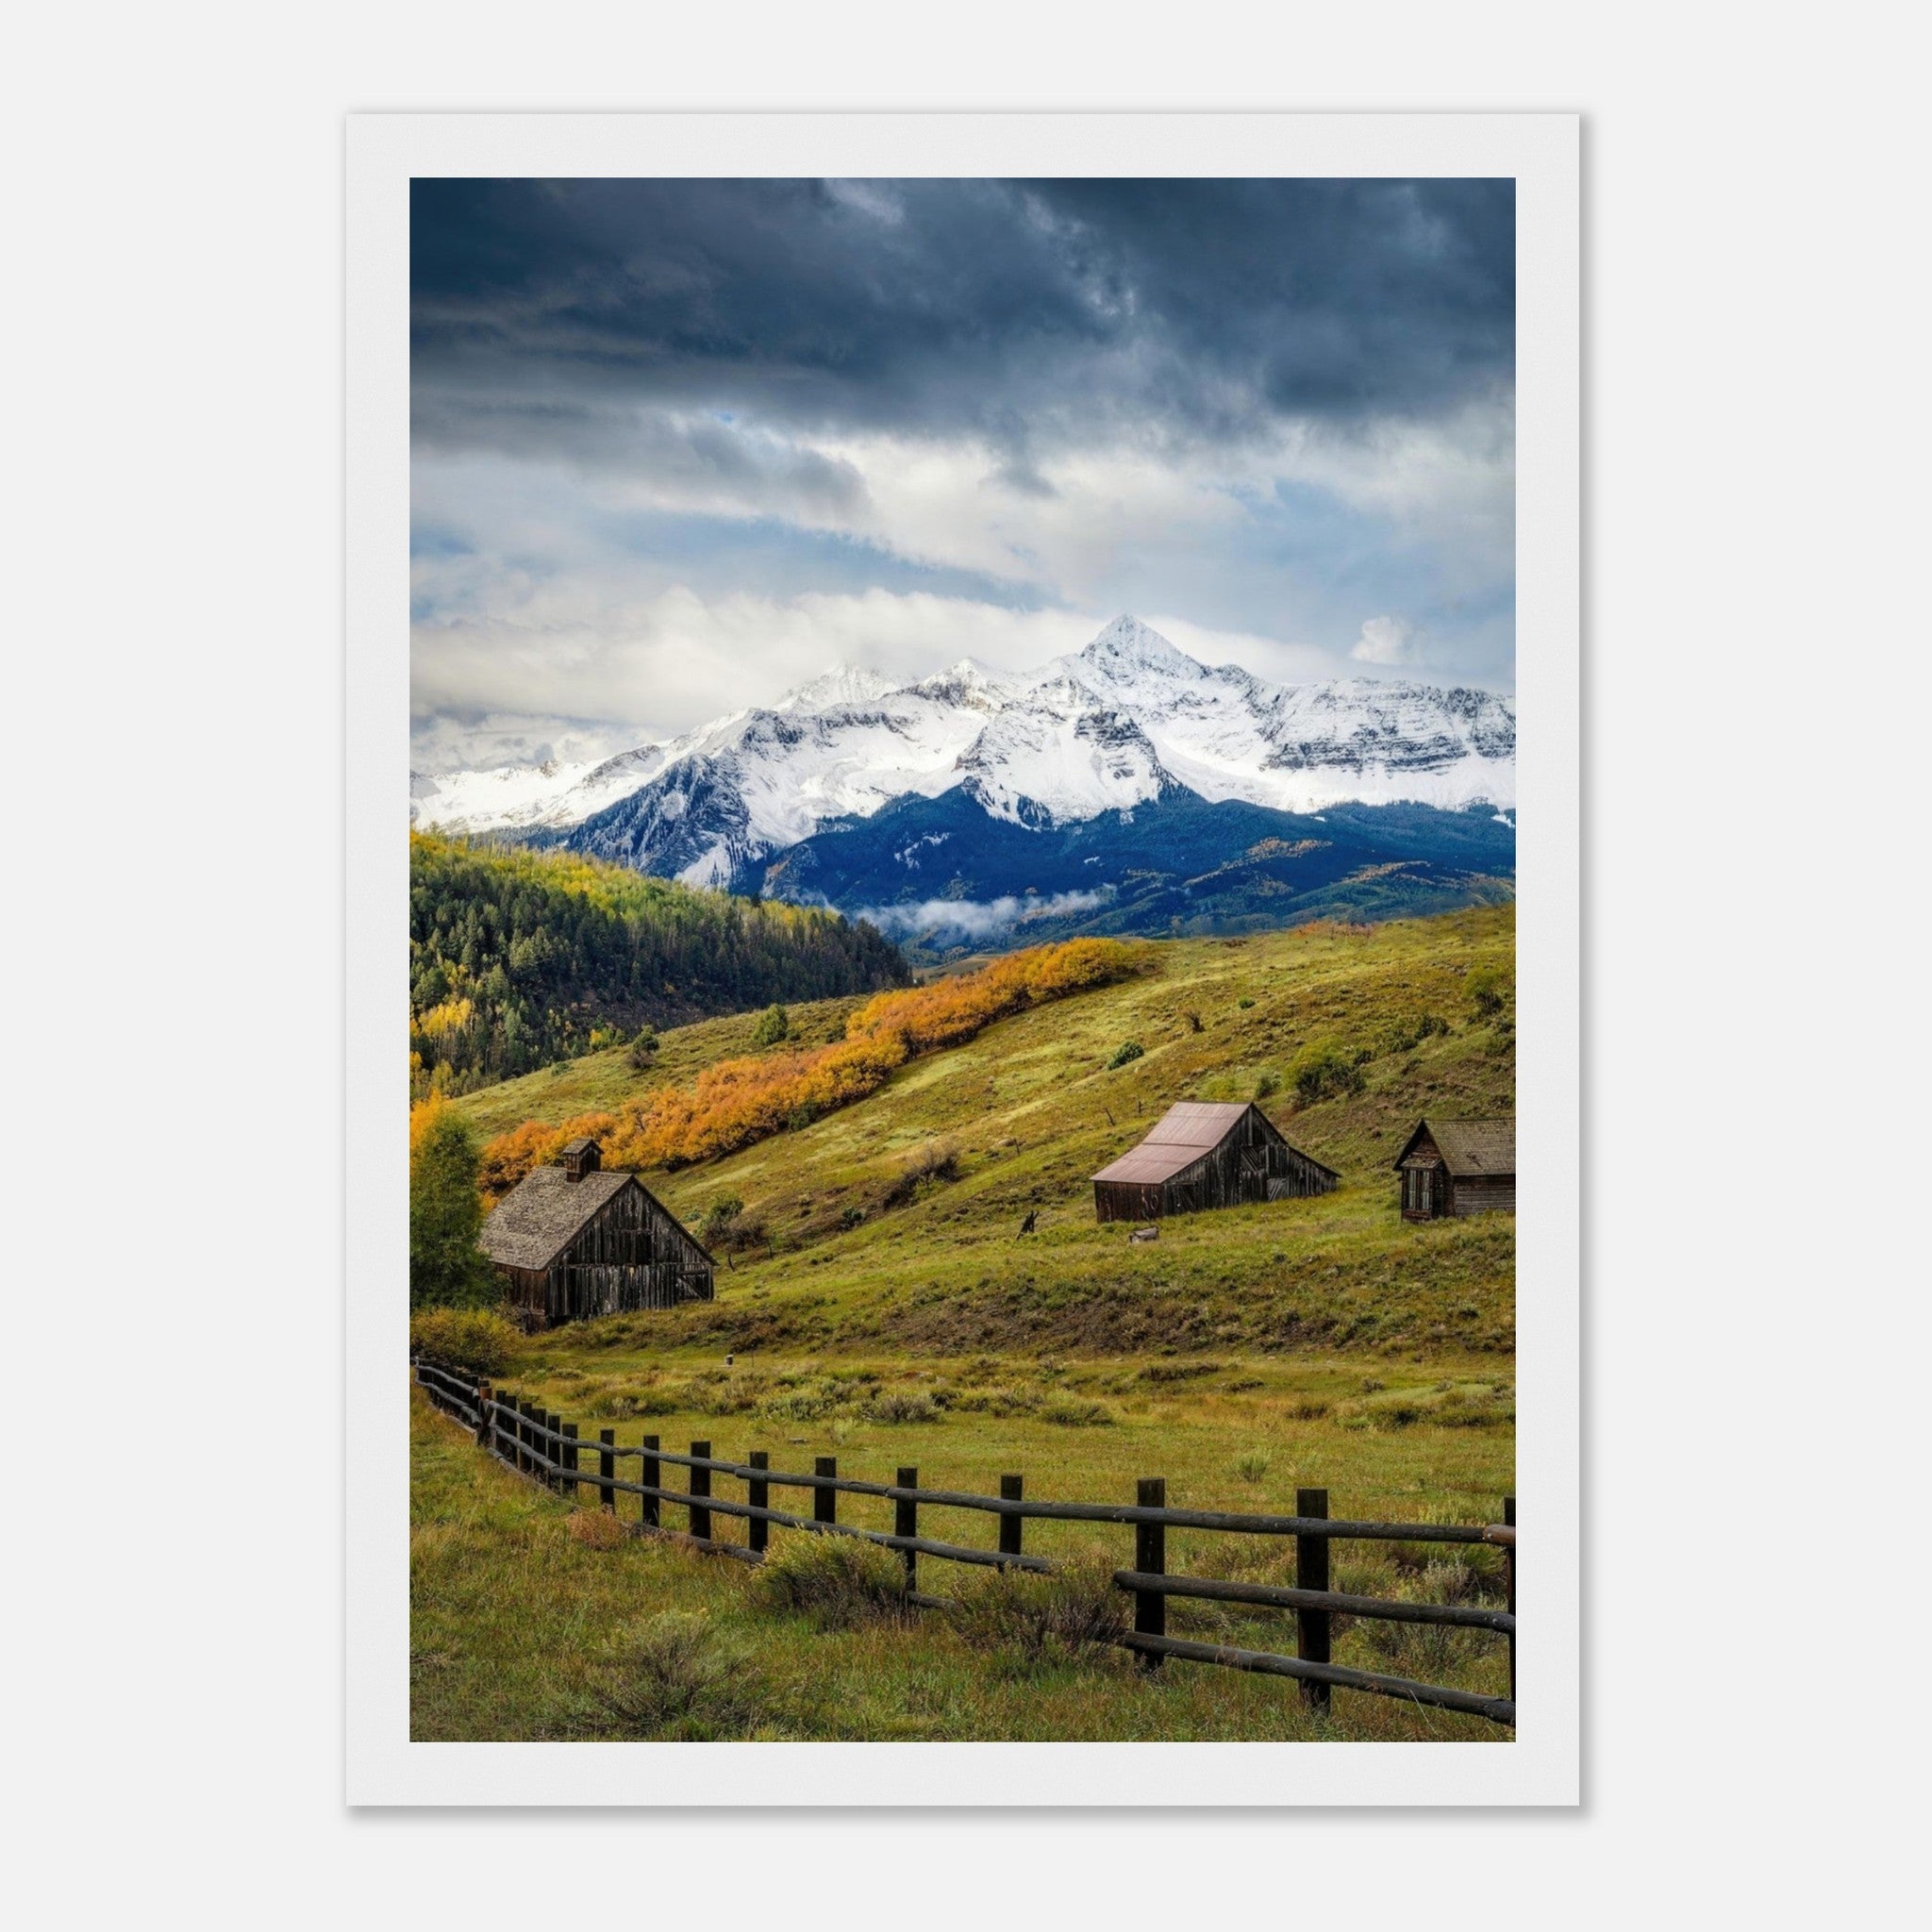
<point>1126,640</point>
<point>841,684</point>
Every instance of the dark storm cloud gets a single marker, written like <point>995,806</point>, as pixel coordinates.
<point>566,319</point>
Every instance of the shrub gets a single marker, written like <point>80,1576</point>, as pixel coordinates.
<point>643,1048</point>
<point>736,1102</point>
<point>1070,1413</point>
<point>851,1215</point>
<point>678,1678</point>
<point>1252,1466</point>
<point>474,1339</point>
<point>1128,1050</point>
<point>1193,1019</point>
<point>1322,1069</point>
<point>1267,1082</point>
<point>1038,1618</point>
<point>903,1406</point>
<point>1488,989</point>
<point>720,1215</point>
<point>775,1023</point>
<point>1244,1003</point>
<point>837,1581</point>
<point>931,1165</point>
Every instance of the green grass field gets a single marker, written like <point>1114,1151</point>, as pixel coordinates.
<point>1242,1354</point>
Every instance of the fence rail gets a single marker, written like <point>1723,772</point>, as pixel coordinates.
<point>549,1450</point>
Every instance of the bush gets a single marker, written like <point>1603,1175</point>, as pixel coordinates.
<point>1267,1083</point>
<point>775,1023</point>
<point>932,1165</point>
<point>1488,989</point>
<point>726,1225</point>
<point>1252,1466</point>
<point>678,1678</point>
<point>837,1581</point>
<point>1128,1050</point>
<point>643,1048</point>
<point>1244,1003</point>
<point>1039,1619</point>
<point>1070,1413</point>
<point>1323,1068</point>
<point>903,1406</point>
<point>474,1339</point>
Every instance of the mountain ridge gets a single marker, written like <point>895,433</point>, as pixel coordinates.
<point>1129,720</point>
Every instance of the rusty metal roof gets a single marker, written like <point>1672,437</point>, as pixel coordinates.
<point>1469,1146</point>
<point>1180,1137</point>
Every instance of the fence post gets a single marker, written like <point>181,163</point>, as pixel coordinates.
<point>1509,1575</point>
<point>606,1468</point>
<point>525,1409</point>
<point>651,1476</point>
<point>757,1492</point>
<point>570,1455</point>
<point>1311,1573</point>
<point>551,1452</point>
<point>1150,1554</point>
<point>483,1401</point>
<point>825,1502</point>
<point>1011,1489</point>
<point>700,1486</point>
<point>906,1522</point>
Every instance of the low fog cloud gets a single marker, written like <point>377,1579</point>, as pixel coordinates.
<point>977,918</point>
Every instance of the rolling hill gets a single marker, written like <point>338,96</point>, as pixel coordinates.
<point>894,1223</point>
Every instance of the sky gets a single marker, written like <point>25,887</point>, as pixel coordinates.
<point>679,445</point>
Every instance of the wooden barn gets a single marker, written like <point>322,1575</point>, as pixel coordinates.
<point>574,1240</point>
<point>1205,1154</point>
<point>1459,1167</point>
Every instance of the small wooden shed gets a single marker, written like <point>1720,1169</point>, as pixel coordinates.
<point>574,1241</point>
<point>1459,1167</point>
<point>1206,1154</point>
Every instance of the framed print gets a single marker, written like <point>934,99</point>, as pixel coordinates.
<point>963,902</point>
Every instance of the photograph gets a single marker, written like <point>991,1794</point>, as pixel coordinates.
<point>962,897</point>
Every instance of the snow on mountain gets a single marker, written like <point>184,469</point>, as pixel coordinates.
<point>1124,721</point>
<point>843,684</point>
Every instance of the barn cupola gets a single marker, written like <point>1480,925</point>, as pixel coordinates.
<point>579,1158</point>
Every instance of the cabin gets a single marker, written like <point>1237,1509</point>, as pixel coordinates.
<point>1205,1154</point>
<point>1459,1167</point>
<point>576,1239</point>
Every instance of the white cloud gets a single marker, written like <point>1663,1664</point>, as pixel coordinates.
<point>1388,641</point>
<point>977,918</point>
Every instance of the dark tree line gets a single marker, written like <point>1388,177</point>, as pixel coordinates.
<point>518,958</point>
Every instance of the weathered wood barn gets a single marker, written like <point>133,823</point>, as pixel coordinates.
<point>573,1241</point>
<point>1206,1154</point>
<point>1459,1167</point>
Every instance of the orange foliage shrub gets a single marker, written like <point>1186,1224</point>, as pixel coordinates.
<point>509,1158</point>
<point>738,1102</point>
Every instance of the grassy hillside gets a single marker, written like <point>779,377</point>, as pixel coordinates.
<point>860,1253</point>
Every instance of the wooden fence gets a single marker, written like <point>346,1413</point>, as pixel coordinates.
<point>543,1446</point>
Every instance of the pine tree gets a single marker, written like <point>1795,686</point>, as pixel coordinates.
<point>446,1267</point>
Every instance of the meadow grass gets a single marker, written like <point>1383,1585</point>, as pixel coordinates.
<point>897,1316</point>
<point>521,1630</point>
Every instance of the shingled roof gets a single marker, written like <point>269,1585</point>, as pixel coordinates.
<point>544,1213</point>
<point>1469,1146</point>
<point>1183,1134</point>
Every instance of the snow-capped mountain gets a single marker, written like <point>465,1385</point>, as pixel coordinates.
<point>1128,721</point>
